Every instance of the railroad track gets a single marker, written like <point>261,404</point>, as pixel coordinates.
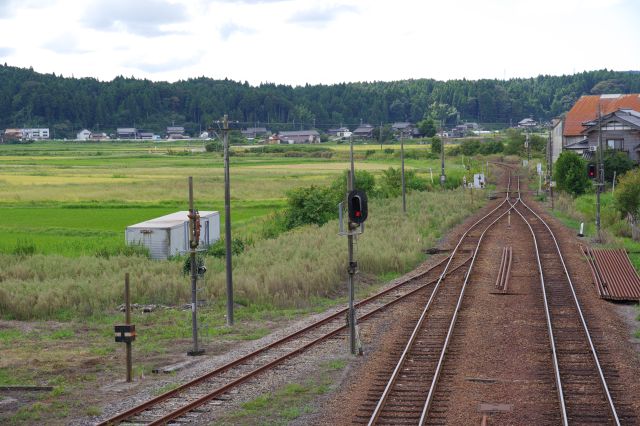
<point>583,394</point>
<point>188,398</point>
<point>583,391</point>
<point>400,398</point>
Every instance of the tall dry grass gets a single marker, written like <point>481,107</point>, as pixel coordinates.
<point>286,271</point>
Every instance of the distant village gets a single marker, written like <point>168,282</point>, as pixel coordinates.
<point>399,130</point>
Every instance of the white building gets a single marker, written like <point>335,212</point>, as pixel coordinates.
<point>83,135</point>
<point>168,235</point>
<point>35,134</point>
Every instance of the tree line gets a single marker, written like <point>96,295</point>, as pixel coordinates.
<point>66,105</point>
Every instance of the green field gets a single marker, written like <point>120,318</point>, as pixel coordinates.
<point>77,199</point>
<point>63,211</point>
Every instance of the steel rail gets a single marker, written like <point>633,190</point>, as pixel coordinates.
<point>156,400</point>
<point>443,352</point>
<point>402,359</point>
<point>594,353</point>
<point>219,391</point>
<point>554,353</point>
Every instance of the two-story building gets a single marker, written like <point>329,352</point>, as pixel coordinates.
<point>299,136</point>
<point>575,131</point>
<point>619,130</point>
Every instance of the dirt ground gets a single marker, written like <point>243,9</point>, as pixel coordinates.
<point>499,344</point>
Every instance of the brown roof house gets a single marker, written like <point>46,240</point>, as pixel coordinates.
<point>299,136</point>
<point>364,131</point>
<point>577,125</point>
<point>620,131</point>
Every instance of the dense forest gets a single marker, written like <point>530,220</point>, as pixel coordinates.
<point>66,105</point>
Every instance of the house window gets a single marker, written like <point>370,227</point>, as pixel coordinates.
<point>617,144</point>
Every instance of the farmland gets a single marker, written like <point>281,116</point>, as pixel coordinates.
<point>74,199</point>
<point>63,211</point>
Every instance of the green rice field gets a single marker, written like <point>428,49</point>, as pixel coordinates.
<point>77,199</point>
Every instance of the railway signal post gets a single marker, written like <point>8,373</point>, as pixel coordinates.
<point>357,212</point>
<point>194,239</point>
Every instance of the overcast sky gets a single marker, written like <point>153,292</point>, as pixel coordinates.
<point>316,41</point>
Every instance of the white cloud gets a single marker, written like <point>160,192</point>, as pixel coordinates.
<point>318,41</point>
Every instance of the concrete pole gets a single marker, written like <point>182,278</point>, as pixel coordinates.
<point>227,221</point>
<point>127,321</point>
<point>404,190</point>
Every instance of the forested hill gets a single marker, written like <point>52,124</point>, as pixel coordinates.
<point>28,98</point>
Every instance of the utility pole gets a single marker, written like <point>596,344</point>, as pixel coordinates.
<point>550,167</point>
<point>380,136</point>
<point>404,192</point>
<point>443,178</point>
<point>227,220</point>
<point>600,173</point>
<point>127,321</point>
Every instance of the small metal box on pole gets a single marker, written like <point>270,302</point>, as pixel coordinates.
<point>126,333</point>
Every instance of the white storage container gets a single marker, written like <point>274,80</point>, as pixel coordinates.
<point>168,235</point>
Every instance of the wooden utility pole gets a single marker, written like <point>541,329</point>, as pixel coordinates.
<point>442,175</point>
<point>404,193</point>
<point>227,221</point>
<point>599,174</point>
<point>127,321</point>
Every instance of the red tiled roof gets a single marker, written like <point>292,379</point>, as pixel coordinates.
<point>586,109</point>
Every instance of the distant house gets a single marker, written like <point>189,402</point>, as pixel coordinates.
<point>176,132</point>
<point>255,132</point>
<point>273,140</point>
<point>299,136</point>
<point>12,135</point>
<point>404,130</point>
<point>341,132</point>
<point>527,123</point>
<point>619,130</point>
<point>99,136</point>
<point>35,134</point>
<point>127,133</point>
<point>83,135</point>
<point>147,136</point>
<point>364,131</point>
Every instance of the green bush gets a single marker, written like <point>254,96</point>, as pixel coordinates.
<point>515,142</point>
<point>310,205</point>
<point>470,147</point>
<point>436,145</point>
<point>215,146</point>
<point>218,249</point>
<point>491,147</point>
<point>627,195</point>
<point>391,182</point>
<point>570,173</point>
<point>618,162</point>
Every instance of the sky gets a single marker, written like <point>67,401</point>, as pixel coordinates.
<point>299,42</point>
